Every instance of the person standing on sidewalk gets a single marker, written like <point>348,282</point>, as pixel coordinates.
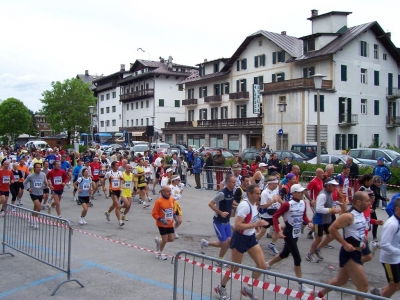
<point>209,170</point>
<point>219,163</point>
<point>197,169</point>
<point>381,170</point>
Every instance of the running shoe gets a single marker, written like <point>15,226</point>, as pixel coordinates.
<point>176,235</point>
<point>106,196</point>
<point>269,236</point>
<point>376,291</point>
<point>81,222</point>
<point>158,241</point>
<point>93,198</point>
<point>305,289</point>
<point>329,246</point>
<point>12,209</point>
<point>221,292</point>
<point>18,202</point>
<point>153,191</point>
<point>383,207</point>
<point>107,214</point>
<point>311,258</point>
<point>220,264</point>
<point>310,236</point>
<point>373,246</point>
<point>98,193</point>
<point>318,254</point>
<point>203,246</point>
<point>35,225</point>
<point>124,217</point>
<point>149,199</point>
<point>90,204</point>
<point>60,216</point>
<point>161,256</point>
<point>48,206</point>
<point>84,222</point>
<point>272,249</point>
<point>248,292</point>
<point>145,205</point>
<point>121,223</point>
<point>74,199</point>
<point>140,201</point>
<point>267,266</point>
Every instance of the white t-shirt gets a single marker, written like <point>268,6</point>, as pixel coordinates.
<point>243,210</point>
<point>267,196</point>
<point>175,192</point>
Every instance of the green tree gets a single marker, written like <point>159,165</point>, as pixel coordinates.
<point>15,117</point>
<point>65,107</point>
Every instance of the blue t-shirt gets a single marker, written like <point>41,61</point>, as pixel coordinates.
<point>51,158</point>
<point>65,166</point>
<point>84,185</point>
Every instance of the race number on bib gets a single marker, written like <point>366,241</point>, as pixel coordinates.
<point>96,172</point>
<point>128,184</point>
<point>57,180</point>
<point>296,231</point>
<point>6,179</point>
<point>115,183</point>
<point>16,177</point>
<point>169,214</point>
<point>86,186</point>
<point>37,184</point>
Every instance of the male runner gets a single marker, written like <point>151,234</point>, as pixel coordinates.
<point>57,179</point>
<point>6,178</point>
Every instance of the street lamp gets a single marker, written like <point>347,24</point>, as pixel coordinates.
<point>91,111</point>
<point>282,106</point>
<point>317,84</point>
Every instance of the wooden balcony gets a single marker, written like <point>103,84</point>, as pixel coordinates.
<point>294,84</point>
<point>346,120</point>
<point>220,123</point>
<point>106,86</point>
<point>392,121</point>
<point>239,96</point>
<point>189,102</point>
<point>213,99</point>
<point>137,95</point>
<point>392,93</point>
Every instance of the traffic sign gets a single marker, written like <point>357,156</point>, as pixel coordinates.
<point>280,132</point>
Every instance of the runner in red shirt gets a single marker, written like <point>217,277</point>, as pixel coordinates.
<point>57,180</point>
<point>95,167</point>
<point>315,186</point>
<point>6,178</point>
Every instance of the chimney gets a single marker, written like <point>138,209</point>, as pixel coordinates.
<point>161,59</point>
<point>205,60</point>
<point>86,72</point>
<point>283,32</point>
<point>389,35</point>
<point>314,13</point>
<point>122,68</point>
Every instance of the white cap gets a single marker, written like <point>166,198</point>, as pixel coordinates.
<point>297,188</point>
<point>262,165</point>
<point>333,182</point>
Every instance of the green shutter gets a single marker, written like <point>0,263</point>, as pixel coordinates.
<point>322,102</point>
<point>255,80</point>
<point>227,86</point>
<point>274,57</point>
<point>343,141</point>
<point>282,56</point>
<point>283,76</point>
<point>244,111</point>
<point>376,107</point>
<point>237,111</point>
<point>304,47</point>
<point>376,78</point>
<point>200,92</point>
<point>222,89</point>
<point>273,77</point>
<point>255,61</point>
<point>343,72</point>
<point>315,102</point>
<point>245,85</point>
<point>263,60</point>
<point>245,64</point>
<point>261,81</point>
<point>237,85</point>
<point>390,84</point>
<point>305,73</point>
<point>350,141</point>
<point>394,110</point>
<point>205,114</point>
<point>205,91</point>
<point>312,71</point>
<point>355,141</point>
<point>337,142</point>
<point>238,65</point>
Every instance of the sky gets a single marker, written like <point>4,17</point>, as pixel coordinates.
<point>52,40</point>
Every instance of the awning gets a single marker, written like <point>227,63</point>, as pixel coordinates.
<point>137,133</point>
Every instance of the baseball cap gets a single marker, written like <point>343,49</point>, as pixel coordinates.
<point>87,160</point>
<point>262,165</point>
<point>289,176</point>
<point>297,188</point>
<point>380,159</point>
<point>236,167</point>
<point>168,170</point>
<point>332,182</point>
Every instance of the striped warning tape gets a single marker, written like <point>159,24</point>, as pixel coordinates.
<point>246,279</point>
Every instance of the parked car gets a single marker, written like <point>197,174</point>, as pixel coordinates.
<point>182,148</point>
<point>225,153</point>
<point>294,156</point>
<point>396,162</point>
<point>336,159</point>
<point>252,150</point>
<point>250,154</point>
<point>369,156</point>
<point>309,150</point>
<point>175,150</point>
<point>140,148</point>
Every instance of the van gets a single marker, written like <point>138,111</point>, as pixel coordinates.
<point>369,156</point>
<point>309,150</point>
<point>37,144</point>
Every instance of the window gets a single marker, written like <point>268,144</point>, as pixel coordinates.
<point>172,119</point>
<point>203,114</point>
<point>195,139</point>
<point>141,122</point>
<point>108,96</point>
<point>363,106</point>
<point>141,87</point>
<point>147,103</point>
<point>241,64</point>
<point>259,43</point>
<point>127,106</point>
<point>141,104</point>
<point>259,61</point>
<point>241,111</point>
<point>161,102</point>
<point>259,80</point>
<point>278,77</point>
<point>136,89</point>
<point>147,121</point>
<point>226,86</point>
<point>376,107</point>
<point>364,76</point>
<point>376,78</point>
<point>127,123</point>
<point>190,93</point>
<point>278,57</point>
<point>376,140</point>
<point>282,99</point>
<point>202,91</point>
<point>343,72</point>
<point>308,72</point>
<point>384,56</point>
<point>191,115</point>
<point>107,110</point>
<point>137,122</point>
<point>321,103</point>
<point>113,109</point>
<point>102,110</point>
<point>233,142</point>
<point>224,112</point>
<point>132,122</point>
<point>217,89</point>
<point>376,51</point>
<point>101,123</point>
<point>102,97</point>
<point>147,86</point>
<point>177,103</point>
<point>216,67</point>
<point>241,85</point>
<point>340,141</point>
<point>216,140</point>
<point>364,48</point>
<point>309,45</point>
<point>114,122</point>
<point>137,105</point>
<point>214,113</point>
<point>114,94</point>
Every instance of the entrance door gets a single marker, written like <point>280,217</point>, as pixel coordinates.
<point>255,141</point>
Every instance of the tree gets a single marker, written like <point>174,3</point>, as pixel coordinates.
<point>15,117</point>
<point>65,107</point>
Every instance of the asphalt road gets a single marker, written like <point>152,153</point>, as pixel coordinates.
<point>126,268</point>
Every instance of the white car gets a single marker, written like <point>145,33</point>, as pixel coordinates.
<point>335,159</point>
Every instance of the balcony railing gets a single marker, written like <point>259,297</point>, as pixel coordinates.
<point>348,120</point>
<point>213,99</point>
<point>292,84</point>
<point>189,102</point>
<point>137,95</point>
<point>247,122</point>
<point>393,121</point>
<point>392,93</point>
<point>239,96</point>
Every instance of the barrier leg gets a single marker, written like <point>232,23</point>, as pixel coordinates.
<point>4,236</point>
<point>69,280</point>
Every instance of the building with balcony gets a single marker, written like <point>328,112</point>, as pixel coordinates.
<point>42,126</point>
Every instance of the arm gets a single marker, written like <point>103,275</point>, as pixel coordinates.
<point>305,218</point>
<point>387,235</point>
<point>213,206</point>
<point>342,221</point>
<point>27,182</point>
<point>239,225</point>
<point>284,208</point>
<point>255,177</point>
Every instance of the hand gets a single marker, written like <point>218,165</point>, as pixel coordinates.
<point>348,247</point>
<point>379,222</point>
<point>336,211</point>
<point>312,203</point>
<point>80,190</point>
<point>280,235</point>
<point>224,214</point>
<point>262,223</point>
<point>310,225</point>
<point>165,222</point>
<point>30,190</point>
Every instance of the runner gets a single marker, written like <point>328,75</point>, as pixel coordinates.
<point>6,178</point>
<point>176,193</point>
<point>126,196</point>
<point>51,158</point>
<point>105,164</point>
<point>84,187</point>
<point>14,187</point>
<point>115,179</point>
<point>258,177</point>
<point>294,213</point>
<point>148,179</point>
<point>163,211</point>
<point>285,191</point>
<point>46,190</point>
<point>95,167</point>
<point>353,224</point>
<point>390,253</point>
<point>66,166</point>
<point>25,172</point>
<point>34,185</point>
<point>315,186</point>
<point>244,240</point>
<point>75,175</point>
<point>140,182</point>
<point>57,179</point>
<point>157,170</point>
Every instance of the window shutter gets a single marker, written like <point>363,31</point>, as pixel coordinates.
<point>305,73</point>
<point>205,114</point>
<point>343,72</point>
<point>322,103</point>
<point>394,110</point>
<point>304,47</point>
<point>263,60</point>
<point>282,56</point>
<point>350,141</point>
<point>221,89</point>
<point>255,80</point>
<point>273,77</point>
<point>237,111</point>
<point>245,63</point>
<point>238,65</point>
<point>337,141</point>
<point>255,61</point>
<point>312,71</point>
<point>200,92</point>
<point>244,111</point>
<point>376,78</point>
<point>244,81</point>
<point>398,81</point>
<point>274,57</point>
<point>355,141</point>
<point>227,88</point>
<point>283,76</point>
<point>315,102</point>
<point>237,85</point>
<point>376,107</point>
<point>261,81</point>
<point>205,91</point>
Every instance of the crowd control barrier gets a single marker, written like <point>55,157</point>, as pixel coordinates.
<point>40,236</point>
<point>213,176</point>
<point>196,275</point>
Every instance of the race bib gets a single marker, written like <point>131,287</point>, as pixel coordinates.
<point>23,174</point>
<point>16,177</point>
<point>37,184</point>
<point>96,172</point>
<point>86,186</point>
<point>115,183</point>
<point>128,184</point>
<point>57,180</point>
<point>51,161</point>
<point>296,231</point>
<point>6,179</point>
<point>169,214</point>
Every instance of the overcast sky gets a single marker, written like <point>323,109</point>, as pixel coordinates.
<point>50,40</point>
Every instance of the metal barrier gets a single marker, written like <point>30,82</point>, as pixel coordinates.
<point>209,181</point>
<point>198,276</point>
<point>40,236</point>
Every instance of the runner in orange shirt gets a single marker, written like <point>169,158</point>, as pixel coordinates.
<point>6,178</point>
<point>25,172</point>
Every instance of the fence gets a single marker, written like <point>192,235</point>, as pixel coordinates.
<point>39,236</point>
<point>208,181</point>
<point>197,277</point>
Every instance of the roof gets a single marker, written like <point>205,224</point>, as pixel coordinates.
<point>154,64</point>
<point>349,35</point>
<point>214,60</point>
<point>87,79</point>
<point>291,45</point>
<point>97,79</point>
<point>345,13</point>
<point>195,77</point>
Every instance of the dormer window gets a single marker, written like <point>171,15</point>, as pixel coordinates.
<point>216,67</point>
<point>309,45</point>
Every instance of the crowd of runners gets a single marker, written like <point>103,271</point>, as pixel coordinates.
<point>246,209</point>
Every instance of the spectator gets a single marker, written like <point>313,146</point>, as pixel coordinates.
<point>209,171</point>
<point>287,167</point>
<point>274,164</point>
<point>219,163</point>
<point>381,170</point>
<point>190,158</point>
<point>254,165</point>
<point>197,168</point>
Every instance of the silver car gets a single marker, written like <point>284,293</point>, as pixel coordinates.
<point>369,156</point>
<point>335,159</point>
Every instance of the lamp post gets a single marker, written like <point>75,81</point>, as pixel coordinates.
<point>317,84</point>
<point>91,110</point>
<point>282,106</point>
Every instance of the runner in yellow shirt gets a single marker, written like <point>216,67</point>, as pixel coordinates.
<point>126,195</point>
<point>140,181</point>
